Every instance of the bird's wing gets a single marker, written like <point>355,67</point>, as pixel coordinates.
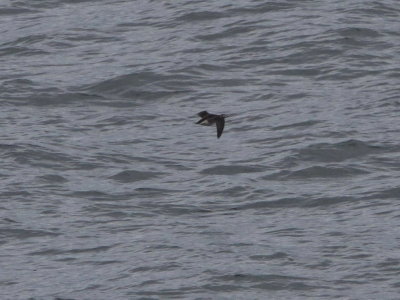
<point>203,114</point>
<point>220,122</point>
<point>200,121</point>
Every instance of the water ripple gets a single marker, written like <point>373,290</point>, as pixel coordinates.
<point>107,178</point>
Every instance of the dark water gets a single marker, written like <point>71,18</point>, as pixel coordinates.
<point>110,191</point>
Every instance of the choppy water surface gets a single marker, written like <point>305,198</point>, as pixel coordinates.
<point>110,191</point>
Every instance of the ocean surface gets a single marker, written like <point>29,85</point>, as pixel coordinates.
<point>109,190</point>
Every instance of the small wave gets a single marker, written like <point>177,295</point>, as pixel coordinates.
<point>336,152</point>
<point>236,191</point>
<point>269,281</point>
<point>389,193</point>
<point>153,192</point>
<point>265,7</point>
<point>358,32</point>
<point>230,170</point>
<point>142,85</point>
<point>276,255</point>
<point>15,11</point>
<point>28,40</point>
<point>38,156</point>
<point>316,172</point>
<point>132,176</point>
<point>52,178</point>
<point>300,201</point>
<point>175,210</point>
<point>21,51</point>
<point>200,16</point>
<point>71,251</point>
<point>23,92</point>
<point>297,124</point>
<point>25,233</point>
<point>226,33</point>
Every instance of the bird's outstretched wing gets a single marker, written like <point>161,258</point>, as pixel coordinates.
<point>220,122</point>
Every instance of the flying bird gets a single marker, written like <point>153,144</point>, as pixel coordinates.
<point>208,119</point>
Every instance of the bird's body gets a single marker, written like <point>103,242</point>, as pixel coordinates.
<point>208,119</point>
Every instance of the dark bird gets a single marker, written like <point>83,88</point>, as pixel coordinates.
<point>208,119</point>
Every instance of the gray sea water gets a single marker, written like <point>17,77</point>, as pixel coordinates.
<point>110,191</point>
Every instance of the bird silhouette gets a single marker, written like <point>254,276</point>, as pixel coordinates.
<point>208,119</point>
